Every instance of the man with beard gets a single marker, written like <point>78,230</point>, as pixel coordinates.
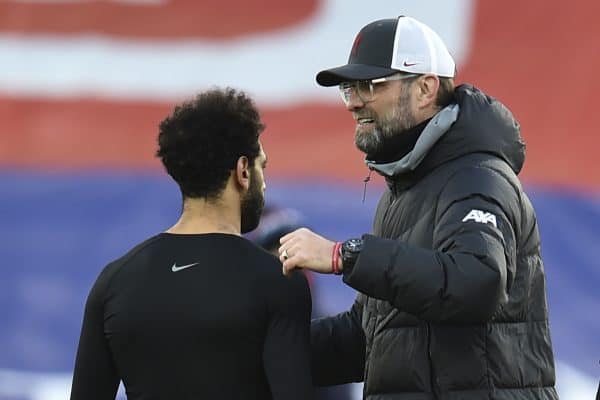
<point>199,312</point>
<point>452,299</point>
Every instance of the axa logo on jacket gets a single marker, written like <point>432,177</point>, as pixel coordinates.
<point>481,217</point>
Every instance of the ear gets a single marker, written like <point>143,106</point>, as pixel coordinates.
<point>428,88</point>
<point>242,172</point>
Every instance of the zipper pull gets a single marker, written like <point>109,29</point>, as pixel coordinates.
<point>366,180</point>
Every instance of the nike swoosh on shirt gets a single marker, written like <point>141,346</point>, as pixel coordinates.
<point>175,268</point>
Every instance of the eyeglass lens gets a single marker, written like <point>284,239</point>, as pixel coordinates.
<point>364,90</point>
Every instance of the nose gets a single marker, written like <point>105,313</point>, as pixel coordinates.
<point>354,102</point>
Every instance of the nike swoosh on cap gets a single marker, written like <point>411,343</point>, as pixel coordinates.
<point>407,64</point>
<point>175,268</point>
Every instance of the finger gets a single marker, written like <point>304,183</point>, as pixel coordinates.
<point>288,267</point>
<point>300,255</point>
<point>289,236</point>
<point>287,247</point>
<point>287,253</point>
<point>285,238</point>
<point>283,256</point>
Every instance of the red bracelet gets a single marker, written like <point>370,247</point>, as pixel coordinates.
<point>335,259</point>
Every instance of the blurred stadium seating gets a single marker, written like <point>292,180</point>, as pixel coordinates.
<point>83,85</point>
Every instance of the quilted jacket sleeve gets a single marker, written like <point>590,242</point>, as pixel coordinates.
<point>338,347</point>
<point>467,274</point>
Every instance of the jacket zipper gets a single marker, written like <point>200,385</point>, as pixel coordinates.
<point>367,359</point>
<point>432,377</point>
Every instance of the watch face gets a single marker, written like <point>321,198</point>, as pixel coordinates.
<point>353,245</point>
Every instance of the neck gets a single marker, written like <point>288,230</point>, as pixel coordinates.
<point>399,145</point>
<point>207,216</point>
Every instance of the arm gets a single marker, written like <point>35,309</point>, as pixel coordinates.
<point>286,353</point>
<point>338,347</point>
<point>467,275</point>
<point>95,376</point>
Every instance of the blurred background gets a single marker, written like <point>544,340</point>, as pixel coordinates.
<point>83,85</point>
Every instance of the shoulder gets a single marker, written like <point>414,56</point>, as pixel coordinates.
<point>273,274</point>
<point>113,268</point>
<point>481,190</point>
<point>489,177</point>
<point>135,251</point>
<point>279,291</point>
<point>266,267</point>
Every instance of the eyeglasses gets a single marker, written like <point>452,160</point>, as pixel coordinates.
<point>365,90</point>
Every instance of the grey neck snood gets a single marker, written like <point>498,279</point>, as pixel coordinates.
<point>438,125</point>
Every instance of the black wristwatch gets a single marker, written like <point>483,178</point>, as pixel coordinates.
<point>351,249</point>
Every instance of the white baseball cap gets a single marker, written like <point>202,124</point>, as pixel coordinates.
<point>384,47</point>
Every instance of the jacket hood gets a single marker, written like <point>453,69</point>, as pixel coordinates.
<point>476,123</point>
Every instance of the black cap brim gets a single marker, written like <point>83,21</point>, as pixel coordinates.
<point>352,72</point>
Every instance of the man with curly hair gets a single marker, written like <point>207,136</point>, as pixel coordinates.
<point>198,311</point>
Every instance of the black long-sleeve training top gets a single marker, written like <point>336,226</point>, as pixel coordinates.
<point>195,317</point>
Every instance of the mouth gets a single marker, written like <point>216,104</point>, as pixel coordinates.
<point>365,121</point>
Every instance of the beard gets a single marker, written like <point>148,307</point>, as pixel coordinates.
<point>253,203</point>
<point>386,129</point>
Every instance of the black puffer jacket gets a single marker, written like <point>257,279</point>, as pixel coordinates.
<point>453,302</point>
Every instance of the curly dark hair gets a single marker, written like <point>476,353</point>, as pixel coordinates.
<point>201,141</point>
